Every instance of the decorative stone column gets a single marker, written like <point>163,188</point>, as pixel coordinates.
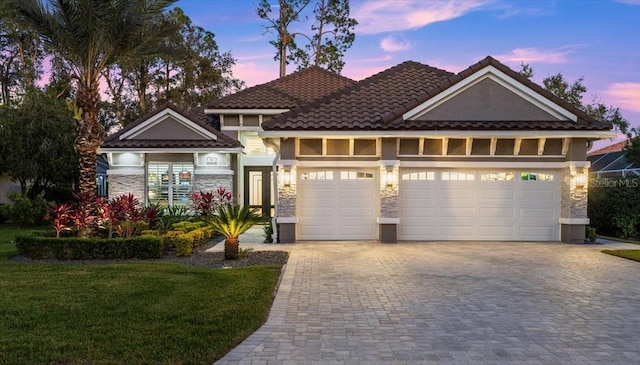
<point>388,218</point>
<point>287,197</point>
<point>573,202</point>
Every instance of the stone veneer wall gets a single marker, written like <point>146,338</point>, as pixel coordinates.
<point>125,184</point>
<point>211,182</point>
<point>573,201</point>
<point>389,195</point>
<point>287,202</point>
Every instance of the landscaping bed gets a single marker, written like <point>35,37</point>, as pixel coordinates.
<point>627,254</point>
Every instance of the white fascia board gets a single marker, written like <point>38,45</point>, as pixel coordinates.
<point>486,164</point>
<point>338,164</point>
<point>239,128</point>
<point>440,133</point>
<point>247,111</point>
<point>499,77</point>
<point>149,123</point>
<point>171,150</point>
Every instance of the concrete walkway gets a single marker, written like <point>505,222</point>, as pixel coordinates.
<point>450,303</point>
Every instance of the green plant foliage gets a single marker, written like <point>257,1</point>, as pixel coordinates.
<point>614,207</point>
<point>26,212</point>
<point>232,220</point>
<point>75,248</point>
<point>150,232</point>
<point>591,234</point>
<point>184,245</point>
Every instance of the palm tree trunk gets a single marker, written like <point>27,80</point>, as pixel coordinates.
<point>88,139</point>
<point>231,248</point>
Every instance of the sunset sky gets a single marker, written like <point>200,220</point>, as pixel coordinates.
<point>595,39</point>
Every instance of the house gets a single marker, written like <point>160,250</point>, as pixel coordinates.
<point>611,162</point>
<point>410,153</point>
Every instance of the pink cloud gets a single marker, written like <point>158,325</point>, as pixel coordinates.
<point>536,55</point>
<point>256,73</point>
<point>394,44</point>
<point>380,16</point>
<point>625,94</point>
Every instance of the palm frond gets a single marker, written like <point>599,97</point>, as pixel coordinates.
<point>233,220</point>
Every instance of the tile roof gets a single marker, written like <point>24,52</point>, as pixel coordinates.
<point>286,92</point>
<point>378,103</point>
<point>195,115</point>
<point>365,105</point>
<point>616,147</point>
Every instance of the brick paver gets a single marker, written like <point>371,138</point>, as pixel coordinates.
<point>450,303</point>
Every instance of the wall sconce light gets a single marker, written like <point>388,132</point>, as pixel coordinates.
<point>286,178</point>
<point>389,178</point>
<point>580,180</point>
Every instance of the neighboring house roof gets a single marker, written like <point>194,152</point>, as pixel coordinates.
<point>616,147</point>
<point>380,101</point>
<point>286,92</point>
<point>198,117</point>
<point>612,160</point>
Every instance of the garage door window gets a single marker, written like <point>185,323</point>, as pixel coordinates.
<point>457,176</point>
<point>536,176</point>
<point>355,175</point>
<point>497,176</point>
<point>419,176</point>
<point>317,175</point>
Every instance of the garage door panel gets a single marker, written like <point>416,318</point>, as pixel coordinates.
<point>337,209</point>
<point>481,209</point>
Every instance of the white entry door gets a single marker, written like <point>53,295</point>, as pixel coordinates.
<point>337,204</point>
<point>479,204</point>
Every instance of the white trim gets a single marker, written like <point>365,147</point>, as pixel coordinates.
<point>440,133</point>
<point>382,220</point>
<point>338,164</point>
<point>160,117</point>
<point>246,111</point>
<point>171,150</point>
<point>287,219</point>
<point>240,128</point>
<point>389,163</point>
<point>573,220</point>
<point>211,171</point>
<point>485,164</point>
<point>127,171</point>
<point>287,162</point>
<point>501,78</point>
<point>578,164</point>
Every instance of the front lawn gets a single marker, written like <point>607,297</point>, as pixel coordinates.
<point>140,312</point>
<point>627,254</point>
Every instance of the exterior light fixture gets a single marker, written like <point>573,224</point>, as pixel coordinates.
<point>389,178</point>
<point>580,180</point>
<point>286,179</point>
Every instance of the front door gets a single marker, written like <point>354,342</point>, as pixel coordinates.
<point>257,189</point>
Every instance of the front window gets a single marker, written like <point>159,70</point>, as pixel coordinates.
<point>169,184</point>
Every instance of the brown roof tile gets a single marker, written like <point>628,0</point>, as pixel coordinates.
<point>378,103</point>
<point>286,92</point>
<point>616,147</point>
<point>195,115</point>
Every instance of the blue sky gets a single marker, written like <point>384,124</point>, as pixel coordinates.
<point>595,39</point>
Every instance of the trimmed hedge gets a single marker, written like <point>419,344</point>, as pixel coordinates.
<point>184,243</point>
<point>73,248</point>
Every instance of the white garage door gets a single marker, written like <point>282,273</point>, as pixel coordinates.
<point>337,204</point>
<point>515,205</point>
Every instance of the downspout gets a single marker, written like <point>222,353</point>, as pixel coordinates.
<point>270,143</point>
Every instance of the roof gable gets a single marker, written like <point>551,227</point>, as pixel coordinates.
<point>168,125</point>
<point>489,96</point>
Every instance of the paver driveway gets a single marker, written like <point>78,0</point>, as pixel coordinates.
<point>450,302</point>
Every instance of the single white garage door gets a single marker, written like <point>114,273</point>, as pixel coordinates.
<point>337,204</point>
<point>515,205</point>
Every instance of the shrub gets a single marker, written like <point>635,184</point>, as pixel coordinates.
<point>614,206</point>
<point>75,248</point>
<point>198,237</point>
<point>591,234</point>
<point>25,211</point>
<point>184,245</point>
<point>169,239</point>
<point>150,232</point>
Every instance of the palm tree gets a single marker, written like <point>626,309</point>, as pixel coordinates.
<point>231,221</point>
<point>89,36</point>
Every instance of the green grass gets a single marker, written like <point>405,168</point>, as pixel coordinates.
<point>133,313</point>
<point>627,254</point>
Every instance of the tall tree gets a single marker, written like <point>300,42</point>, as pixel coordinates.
<point>36,141</point>
<point>21,55</point>
<point>90,36</point>
<point>325,44</point>
<point>574,93</point>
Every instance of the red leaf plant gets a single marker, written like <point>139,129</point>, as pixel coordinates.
<point>205,203</point>
<point>61,217</point>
